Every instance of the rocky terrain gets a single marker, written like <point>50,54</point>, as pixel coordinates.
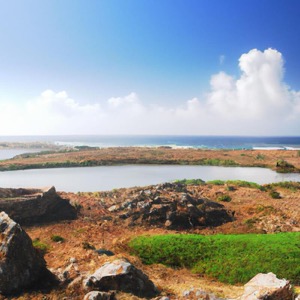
<point>33,206</point>
<point>81,252</point>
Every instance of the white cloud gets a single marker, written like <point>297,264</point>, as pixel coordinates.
<point>222,59</point>
<point>256,103</point>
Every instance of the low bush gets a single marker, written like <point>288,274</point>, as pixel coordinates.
<point>275,195</point>
<point>191,181</point>
<point>57,238</point>
<point>40,246</point>
<point>224,198</point>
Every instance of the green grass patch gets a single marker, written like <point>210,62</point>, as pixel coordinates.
<point>224,198</point>
<point>290,185</point>
<point>190,181</point>
<point>40,246</point>
<point>217,162</point>
<point>228,258</point>
<point>237,183</point>
<point>216,182</point>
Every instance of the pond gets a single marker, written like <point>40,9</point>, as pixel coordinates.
<point>90,179</point>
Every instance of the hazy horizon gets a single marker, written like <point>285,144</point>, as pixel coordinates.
<point>199,68</point>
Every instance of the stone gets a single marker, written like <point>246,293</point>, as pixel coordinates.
<point>104,252</point>
<point>96,295</point>
<point>33,206</point>
<point>121,275</point>
<point>267,287</point>
<point>21,265</point>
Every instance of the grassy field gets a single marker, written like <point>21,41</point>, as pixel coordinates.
<point>228,258</point>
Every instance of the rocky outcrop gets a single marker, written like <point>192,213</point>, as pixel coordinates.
<point>32,206</point>
<point>267,287</point>
<point>171,206</point>
<point>21,265</point>
<point>120,275</point>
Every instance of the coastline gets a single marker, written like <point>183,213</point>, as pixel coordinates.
<point>283,161</point>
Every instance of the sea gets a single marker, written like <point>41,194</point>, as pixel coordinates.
<point>174,141</point>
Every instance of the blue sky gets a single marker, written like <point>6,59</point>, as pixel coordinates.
<point>141,62</point>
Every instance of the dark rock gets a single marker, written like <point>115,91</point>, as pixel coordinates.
<point>121,275</point>
<point>32,206</point>
<point>21,265</point>
<point>104,251</point>
<point>267,287</point>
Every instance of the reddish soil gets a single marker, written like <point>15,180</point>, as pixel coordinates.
<point>255,211</point>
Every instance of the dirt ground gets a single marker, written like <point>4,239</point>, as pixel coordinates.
<point>255,211</point>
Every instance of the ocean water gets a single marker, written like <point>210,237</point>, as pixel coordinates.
<point>203,142</point>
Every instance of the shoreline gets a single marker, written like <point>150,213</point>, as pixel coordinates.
<point>282,161</point>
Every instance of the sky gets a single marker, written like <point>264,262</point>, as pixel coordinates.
<point>181,67</point>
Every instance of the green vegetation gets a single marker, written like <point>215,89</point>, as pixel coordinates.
<point>283,166</point>
<point>237,183</point>
<point>190,181</point>
<point>250,222</point>
<point>224,198</point>
<point>57,238</point>
<point>217,162</point>
<point>290,185</point>
<point>275,195</point>
<point>88,246</point>
<point>216,182</point>
<point>260,156</point>
<point>40,246</point>
<point>228,258</point>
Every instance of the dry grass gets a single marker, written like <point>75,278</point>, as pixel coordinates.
<point>162,155</point>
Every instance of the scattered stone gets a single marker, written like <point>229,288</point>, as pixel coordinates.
<point>21,265</point>
<point>177,210</point>
<point>121,275</point>
<point>267,287</point>
<point>96,295</point>
<point>199,295</point>
<point>104,251</point>
<point>33,206</point>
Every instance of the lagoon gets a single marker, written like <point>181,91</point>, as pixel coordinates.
<point>91,179</point>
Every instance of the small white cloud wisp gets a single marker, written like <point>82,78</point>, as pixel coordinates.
<point>258,102</point>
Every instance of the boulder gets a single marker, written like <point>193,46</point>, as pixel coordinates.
<point>180,212</point>
<point>267,287</point>
<point>32,206</point>
<point>121,275</point>
<point>21,265</point>
<point>96,295</point>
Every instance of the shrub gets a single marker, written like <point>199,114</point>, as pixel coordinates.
<point>216,182</point>
<point>290,185</point>
<point>190,181</point>
<point>283,166</point>
<point>88,246</point>
<point>224,198</point>
<point>57,238</point>
<point>260,156</point>
<point>40,246</point>
<point>275,195</point>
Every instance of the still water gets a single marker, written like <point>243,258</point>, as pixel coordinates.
<point>109,177</point>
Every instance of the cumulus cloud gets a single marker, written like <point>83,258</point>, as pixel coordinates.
<point>258,102</point>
